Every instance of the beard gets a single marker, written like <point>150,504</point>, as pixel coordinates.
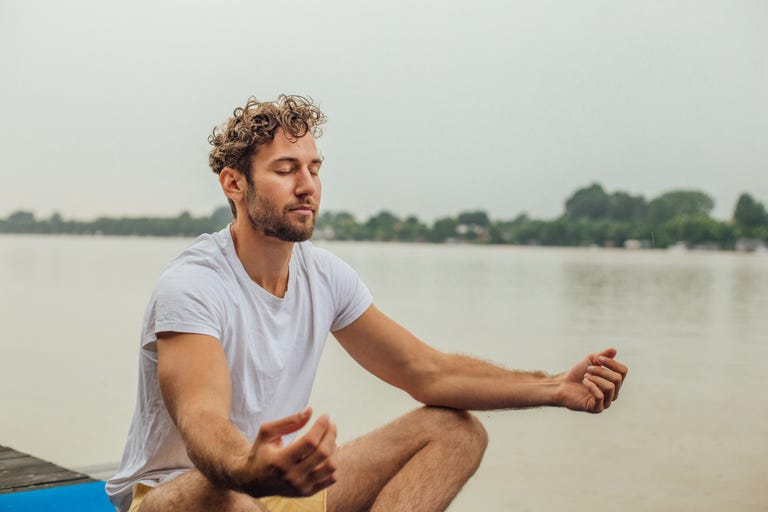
<point>265,218</point>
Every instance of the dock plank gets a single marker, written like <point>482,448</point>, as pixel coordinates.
<point>9,453</point>
<point>22,472</point>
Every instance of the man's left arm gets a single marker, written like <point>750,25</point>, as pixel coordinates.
<point>432,377</point>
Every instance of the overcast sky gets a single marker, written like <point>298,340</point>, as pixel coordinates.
<point>433,107</point>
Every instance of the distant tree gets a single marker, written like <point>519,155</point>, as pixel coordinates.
<point>554,232</point>
<point>443,229</point>
<point>591,232</point>
<point>528,233</point>
<point>472,225</point>
<point>347,227</point>
<point>474,218</point>
<point>694,230</point>
<point>382,226</point>
<point>21,217</point>
<point>221,216</point>
<point>506,231</point>
<point>21,221</point>
<point>412,230</point>
<point>626,207</point>
<point>750,213</point>
<point>339,226</point>
<point>679,202</point>
<point>522,218</point>
<point>591,202</point>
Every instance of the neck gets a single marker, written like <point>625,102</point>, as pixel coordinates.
<point>264,258</point>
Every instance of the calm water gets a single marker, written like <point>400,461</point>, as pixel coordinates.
<point>690,431</point>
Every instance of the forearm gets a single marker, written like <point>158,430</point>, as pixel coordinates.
<point>396,356</point>
<point>216,448</point>
<point>463,382</point>
<point>194,380</point>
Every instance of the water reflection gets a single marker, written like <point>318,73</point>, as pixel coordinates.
<point>646,290</point>
<point>748,291</point>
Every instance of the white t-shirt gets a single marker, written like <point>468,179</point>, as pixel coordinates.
<point>272,344</point>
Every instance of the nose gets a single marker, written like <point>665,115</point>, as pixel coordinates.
<point>306,183</point>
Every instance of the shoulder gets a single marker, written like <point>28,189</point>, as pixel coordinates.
<point>201,266</point>
<point>349,297</point>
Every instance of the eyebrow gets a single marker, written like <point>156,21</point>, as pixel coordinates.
<point>291,159</point>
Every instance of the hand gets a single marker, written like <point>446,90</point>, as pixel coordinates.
<point>593,384</point>
<point>300,469</point>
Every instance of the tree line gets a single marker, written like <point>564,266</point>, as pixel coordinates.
<point>592,216</point>
<point>184,224</point>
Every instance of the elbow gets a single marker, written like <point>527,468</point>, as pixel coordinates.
<point>439,396</point>
<point>427,378</point>
<point>421,395</point>
<point>428,387</point>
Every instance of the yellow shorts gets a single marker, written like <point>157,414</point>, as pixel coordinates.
<point>314,503</point>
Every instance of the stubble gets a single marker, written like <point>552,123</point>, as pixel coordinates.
<point>265,218</point>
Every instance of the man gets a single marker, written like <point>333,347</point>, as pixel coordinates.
<point>231,341</point>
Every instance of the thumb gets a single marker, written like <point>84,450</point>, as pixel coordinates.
<point>274,430</point>
<point>609,353</point>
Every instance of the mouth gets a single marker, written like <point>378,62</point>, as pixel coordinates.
<point>303,209</point>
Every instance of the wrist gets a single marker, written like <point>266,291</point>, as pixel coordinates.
<point>538,390</point>
<point>557,399</point>
<point>239,473</point>
<point>550,390</point>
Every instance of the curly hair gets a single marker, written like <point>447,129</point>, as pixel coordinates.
<point>255,124</point>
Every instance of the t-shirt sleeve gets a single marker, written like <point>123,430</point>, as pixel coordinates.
<point>350,295</point>
<point>187,302</point>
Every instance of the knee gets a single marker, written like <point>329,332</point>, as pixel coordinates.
<point>473,430</point>
<point>460,427</point>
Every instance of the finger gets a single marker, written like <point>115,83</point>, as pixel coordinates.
<point>609,353</point>
<point>618,367</point>
<point>596,394</point>
<point>614,365</point>
<point>274,430</point>
<point>321,457</point>
<point>308,443</point>
<point>605,386</point>
<point>326,482</point>
<point>323,471</point>
<point>608,375</point>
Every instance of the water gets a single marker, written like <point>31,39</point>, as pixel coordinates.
<point>690,431</point>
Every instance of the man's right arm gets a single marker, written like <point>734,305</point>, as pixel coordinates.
<point>196,387</point>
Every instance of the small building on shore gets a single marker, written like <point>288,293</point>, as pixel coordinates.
<point>750,245</point>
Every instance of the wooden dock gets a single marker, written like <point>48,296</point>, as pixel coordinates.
<point>29,484</point>
<point>22,472</point>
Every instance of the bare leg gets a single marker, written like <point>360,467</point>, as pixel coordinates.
<point>417,463</point>
<point>193,492</point>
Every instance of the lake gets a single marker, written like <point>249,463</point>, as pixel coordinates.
<point>690,431</point>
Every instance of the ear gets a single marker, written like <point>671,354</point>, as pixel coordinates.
<point>233,184</point>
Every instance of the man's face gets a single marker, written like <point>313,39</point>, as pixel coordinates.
<point>285,197</point>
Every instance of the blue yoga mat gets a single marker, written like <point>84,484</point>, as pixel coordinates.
<point>88,497</point>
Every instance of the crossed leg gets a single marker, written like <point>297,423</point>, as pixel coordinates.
<point>192,492</point>
<point>418,463</point>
